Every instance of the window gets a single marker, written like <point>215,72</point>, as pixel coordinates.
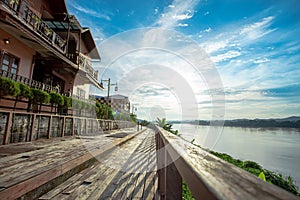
<point>81,93</point>
<point>10,63</point>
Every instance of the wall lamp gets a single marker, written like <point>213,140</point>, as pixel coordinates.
<point>6,41</point>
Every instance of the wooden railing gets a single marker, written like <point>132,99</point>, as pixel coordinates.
<point>29,82</point>
<point>27,16</point>
<point>207,176</point>
<point>24,127</point>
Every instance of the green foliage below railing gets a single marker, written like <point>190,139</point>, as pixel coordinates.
<point>186,193</point>
<point>9,87</point>
<point>40,96</point>
<point>56,99</point>
<point>67,102</point>
<point>256,169</point>
<point>26,91</point>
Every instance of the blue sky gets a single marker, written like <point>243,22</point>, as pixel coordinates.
<point>253,44</point>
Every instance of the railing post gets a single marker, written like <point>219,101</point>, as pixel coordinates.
<point>63,127</point>
<point>49,127</point>
<point>7,128</point>
<point>32,127</point>
<point>169,179</point>
<point>72,126</point>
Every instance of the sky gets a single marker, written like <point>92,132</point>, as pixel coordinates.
<point>198,59</point>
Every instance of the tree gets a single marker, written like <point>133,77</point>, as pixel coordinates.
<point>168,127</point>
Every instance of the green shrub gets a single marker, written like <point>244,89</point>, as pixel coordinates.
<point>9,87</point>
<point>67,102</point>
<point>40,96</point>
<point>25,91</point>
<point>251,164</point>
<point>186,193</point>
<point>56,99</point>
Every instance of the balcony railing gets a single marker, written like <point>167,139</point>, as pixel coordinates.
<point>29,82</point>
<point>74,96</point>
<point>27,16</point>
<point>85,64</point>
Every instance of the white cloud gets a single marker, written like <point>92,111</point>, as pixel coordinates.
<point>258,29</point>
<point>226,56</point>
<point>206,13</point>
<point>91,12</point>
<point>182,25</point>
<point>208,30</point>
<point>185,16</point>
<point>211,47</point>
<point>178,11</point>
<point>261,60</point>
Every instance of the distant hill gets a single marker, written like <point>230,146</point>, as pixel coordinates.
<point>292,119</point>
<point>289,122</point>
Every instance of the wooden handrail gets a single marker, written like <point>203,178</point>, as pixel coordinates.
<point>207,176</point>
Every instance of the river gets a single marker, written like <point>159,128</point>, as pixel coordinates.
<point>276,149</point>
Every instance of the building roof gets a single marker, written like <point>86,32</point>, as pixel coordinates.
<point>90,43</point>
<point>86,35</point>
<point>116,96</point>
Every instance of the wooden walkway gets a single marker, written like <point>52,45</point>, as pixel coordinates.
<point>124,168</point>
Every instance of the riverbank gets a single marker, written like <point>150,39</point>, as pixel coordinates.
<point>286,183</point>
<point>271,177</point>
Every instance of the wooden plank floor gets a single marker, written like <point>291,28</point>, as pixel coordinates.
<point>128,172</point>
<point>26,166</point>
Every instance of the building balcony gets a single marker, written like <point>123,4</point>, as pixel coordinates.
<point>26,16</point>
<point>85,64</point>
<point>27,81</point>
